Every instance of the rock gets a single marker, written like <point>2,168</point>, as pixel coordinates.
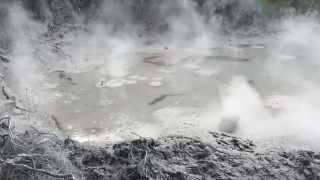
<point>228,124</point>
<point>4,59</point>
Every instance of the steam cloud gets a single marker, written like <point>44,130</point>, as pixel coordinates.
<point>117,29</point>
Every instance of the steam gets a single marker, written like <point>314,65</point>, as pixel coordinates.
<point>118,37</point>
<point>293,113</point>
<point>24,35</point>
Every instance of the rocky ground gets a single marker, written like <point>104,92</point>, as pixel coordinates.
<point>38,155</point>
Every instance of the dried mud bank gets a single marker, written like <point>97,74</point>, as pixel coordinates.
<point>38,155</point>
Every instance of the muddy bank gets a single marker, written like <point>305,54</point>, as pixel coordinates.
<point>38,155</point>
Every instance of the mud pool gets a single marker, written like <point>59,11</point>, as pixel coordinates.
<point>151,92</point>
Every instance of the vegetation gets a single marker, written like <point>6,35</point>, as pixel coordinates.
<point>299,5</point>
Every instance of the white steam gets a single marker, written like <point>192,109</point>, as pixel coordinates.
<point>293,114</point>
<point>116,43</point>
<point>25,68</point>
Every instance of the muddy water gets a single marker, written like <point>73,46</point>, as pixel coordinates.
<point>160,92</point>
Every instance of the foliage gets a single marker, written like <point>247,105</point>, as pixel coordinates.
<point>299,5</point>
